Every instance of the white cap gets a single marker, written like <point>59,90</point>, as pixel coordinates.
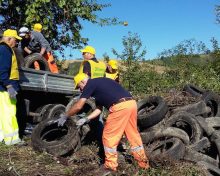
<point>22,31</point>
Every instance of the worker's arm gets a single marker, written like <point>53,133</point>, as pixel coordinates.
<point>94,114</point>
<point>76,107</point>
<point>27,50</point>
<point>42,51</point>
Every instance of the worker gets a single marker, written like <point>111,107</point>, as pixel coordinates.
<point>112,70</point>
<point>35,42</point>
<point>91,66</point>
<point>122,117</point>
<point>9,87</point>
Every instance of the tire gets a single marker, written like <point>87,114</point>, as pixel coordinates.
<point>151,110</point>
<point>211,169</point>
<point>172,148</point>
<point>86,110</point>
<point>212,100</point>
<point>194,156</point>
<point>43,110</point>
<point>30,59</point>
<point>198,108</point>
<point>193,90</point>
<point>55,111</point>
<point>58,141</point>
<point>213,122</point>
<point>169,132</point>
<point>188,123</point>
<point>202,145</point>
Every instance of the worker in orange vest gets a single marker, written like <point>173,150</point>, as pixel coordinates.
<point>122,118</point>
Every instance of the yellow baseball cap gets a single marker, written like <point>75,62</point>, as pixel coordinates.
<point>38,27</point>
<point>11,33</point>
<point>113,64</point>
<point>88,49</point>
<point>78,78</point>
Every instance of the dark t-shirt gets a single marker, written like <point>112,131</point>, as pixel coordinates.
<point>105,91</point>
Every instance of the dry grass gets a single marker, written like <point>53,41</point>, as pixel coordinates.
<point>23,161</point>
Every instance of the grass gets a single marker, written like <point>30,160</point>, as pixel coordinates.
<point>23,161</point>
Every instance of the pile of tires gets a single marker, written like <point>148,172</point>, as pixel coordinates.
<point>48,136</point>
<point>190,132</point>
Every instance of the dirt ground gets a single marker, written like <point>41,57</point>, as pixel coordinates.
<point>23,161</point>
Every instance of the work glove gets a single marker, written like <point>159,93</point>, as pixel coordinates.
<point>82,121</point>
<point>61,120</point>
<point>12,92</point>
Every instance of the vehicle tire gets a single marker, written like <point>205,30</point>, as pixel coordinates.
<point>42,110</point>
<point>202,145</point>
<point>194,156</point>
<point>187,122</point>
<point>169,132</point>
<point>212,100</point>
<point>55,111</point>
<point>151,110</point>
<point>172,147</point>
<point>193,90</point>
<point>58,141</point>
<point>30,59</point>
<point>211,169</point>
<point>86,110</point>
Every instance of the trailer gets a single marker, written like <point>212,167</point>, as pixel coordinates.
<point>45,94</point>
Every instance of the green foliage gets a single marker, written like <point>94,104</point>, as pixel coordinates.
<point>130,56</point>
<point>185,48</point>
<point>61,19</point>
<point>73,68</point>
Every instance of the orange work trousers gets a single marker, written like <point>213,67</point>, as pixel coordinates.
<point>51,62</point>
<point>122,119</point>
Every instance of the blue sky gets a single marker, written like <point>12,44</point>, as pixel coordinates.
<point>161,24</point>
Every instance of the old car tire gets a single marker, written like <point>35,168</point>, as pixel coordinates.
<point>42,110</point>
<point>187,122</point>
<point>151,110</point>
<point>162,133</point>
<point>172,147</point>
<point>212,100</point>
<point>56,110</point>
<point>88,107</point>
<point>30,59</point>
<point>47,136</point>
<point>193,90</point>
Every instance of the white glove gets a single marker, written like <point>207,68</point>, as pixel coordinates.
<point>62,120</point>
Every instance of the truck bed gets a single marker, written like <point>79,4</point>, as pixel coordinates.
<point>44,81</point>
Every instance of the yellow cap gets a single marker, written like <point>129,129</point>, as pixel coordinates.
<point>78,78</point>
<point>11,33</point>
<point>113,64</point>
<point>38,27</point>
<point>88,49</point>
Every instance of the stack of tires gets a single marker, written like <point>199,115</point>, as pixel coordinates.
<point>48,136</point>
<point>190,132</point>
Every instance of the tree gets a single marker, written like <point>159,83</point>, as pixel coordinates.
<point>61,19</point>
<point>131,57</point>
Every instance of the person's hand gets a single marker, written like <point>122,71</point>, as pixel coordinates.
<point>12,92</point>
<point>81,122</point>
<point>61,120</point>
